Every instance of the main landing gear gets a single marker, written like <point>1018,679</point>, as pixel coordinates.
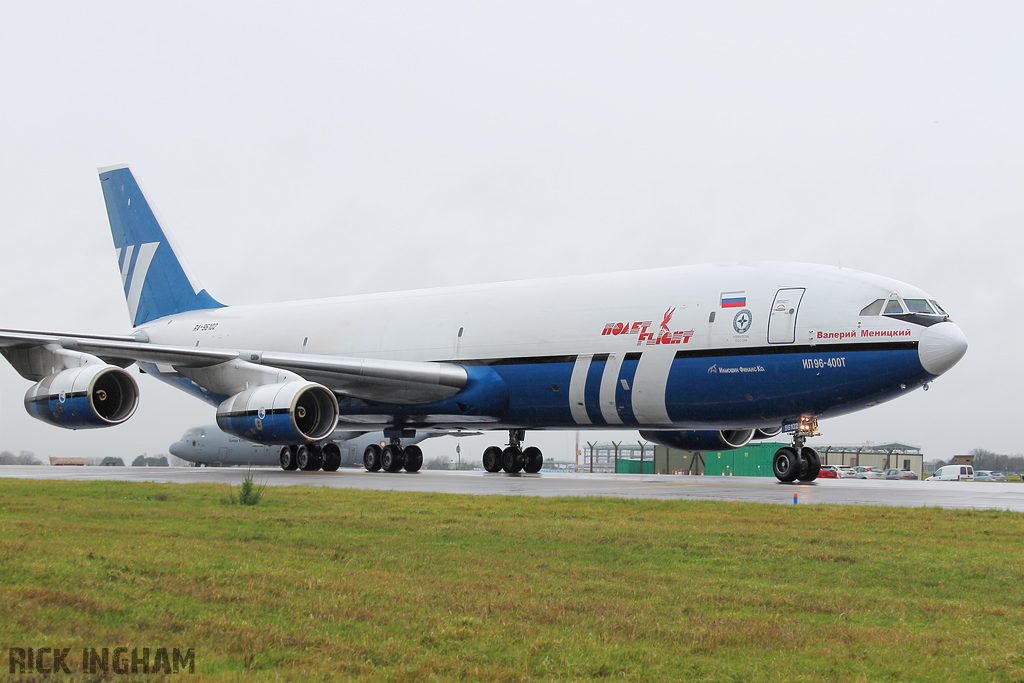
<point>311,457</point>
<point>514,458</point>
<point>392,457</point>
<point>798,461</point>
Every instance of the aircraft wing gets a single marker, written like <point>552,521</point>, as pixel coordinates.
<point>392,381</point>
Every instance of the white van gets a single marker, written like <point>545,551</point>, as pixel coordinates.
<point>953,473</point>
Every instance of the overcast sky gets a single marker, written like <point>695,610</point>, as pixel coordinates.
<point>305,150</point>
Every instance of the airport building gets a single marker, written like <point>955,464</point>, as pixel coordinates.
<point>896,455</point>
<point>753,460</point>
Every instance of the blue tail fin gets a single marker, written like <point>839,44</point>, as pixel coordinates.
<point>156,280</point>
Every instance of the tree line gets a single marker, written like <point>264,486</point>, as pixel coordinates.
<point>23,458</point>
<point>29,458</point>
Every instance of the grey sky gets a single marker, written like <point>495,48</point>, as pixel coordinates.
<point>320,150</point>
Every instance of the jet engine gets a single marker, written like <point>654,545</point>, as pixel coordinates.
<point>701,439</point>
<point>91,396</point>
<point>286,413</point>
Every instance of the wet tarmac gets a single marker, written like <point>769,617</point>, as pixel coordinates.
<point>946,494</point>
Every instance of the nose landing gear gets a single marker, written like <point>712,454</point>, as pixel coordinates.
<point>798,461</point>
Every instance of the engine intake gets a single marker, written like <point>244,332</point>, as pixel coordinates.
<point>701,439</point>
<point>84,398</point>
<point>287,413</point>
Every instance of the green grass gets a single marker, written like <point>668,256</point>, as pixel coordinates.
<point>327,584</point>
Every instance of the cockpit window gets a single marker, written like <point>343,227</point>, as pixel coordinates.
<point>893,307</point>
<point>919,306</point>
<point>937,307</point>
<point>873,308</point>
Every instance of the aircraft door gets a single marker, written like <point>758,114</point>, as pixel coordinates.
<point>782,321</point>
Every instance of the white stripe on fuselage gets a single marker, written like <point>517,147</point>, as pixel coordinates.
<point>649,384</point>
<point>577,389</point>
<point>609,384</point>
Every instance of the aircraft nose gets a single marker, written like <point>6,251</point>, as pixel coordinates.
<point>177,448</point>
<point>941,347</point>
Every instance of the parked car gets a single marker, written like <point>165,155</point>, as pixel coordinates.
<point>847,471</point>
<point>862,472</point>
<point>988,475</point>
<point>900,474</point>
<point>829,472</point>
<point>953,473</point>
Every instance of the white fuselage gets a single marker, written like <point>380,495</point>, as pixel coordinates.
<point>674,325</point>
<point>552,316</point>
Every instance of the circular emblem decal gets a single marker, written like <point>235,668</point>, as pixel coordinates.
<point>261,413</point>
<point>61,397</point>
<point>741,321</point>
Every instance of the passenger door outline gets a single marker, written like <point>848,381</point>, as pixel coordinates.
<point>783,316</point>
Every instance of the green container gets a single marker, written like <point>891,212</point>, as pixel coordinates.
<point>623,466</point>
<point>753,460</point>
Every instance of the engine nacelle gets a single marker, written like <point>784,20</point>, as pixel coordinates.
<point>701,439</point>
<point>767,433</point>
<point>84,398</point>
<point>286,413</point>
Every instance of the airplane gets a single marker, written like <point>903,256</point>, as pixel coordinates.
<point>702,357</point>
<point>208,445</point>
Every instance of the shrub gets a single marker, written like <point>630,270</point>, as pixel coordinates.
<point>250,493</point>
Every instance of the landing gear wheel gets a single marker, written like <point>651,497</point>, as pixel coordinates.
<point>492,459</point>
<point>813,460</point>
<point>413,458</point>
<point>308,458</point>
<point>512,459</point>
<point>533,460</point>
<point>786,464</point>
<point>332,457</point>
<point>371,458</point>
<point>288,459</point>
<point>392,458</point>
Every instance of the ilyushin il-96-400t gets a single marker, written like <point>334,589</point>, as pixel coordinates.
<point>695,357</point>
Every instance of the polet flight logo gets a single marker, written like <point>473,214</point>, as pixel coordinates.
<point>641,328</point>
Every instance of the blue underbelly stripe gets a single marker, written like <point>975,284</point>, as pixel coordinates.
<point>730,390</point>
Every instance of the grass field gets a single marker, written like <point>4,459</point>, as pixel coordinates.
<point>329,584</point>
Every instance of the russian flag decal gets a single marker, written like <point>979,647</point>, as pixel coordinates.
<point>734,299</point>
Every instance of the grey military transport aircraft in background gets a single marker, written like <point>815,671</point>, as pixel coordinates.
<point>208,445</point>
